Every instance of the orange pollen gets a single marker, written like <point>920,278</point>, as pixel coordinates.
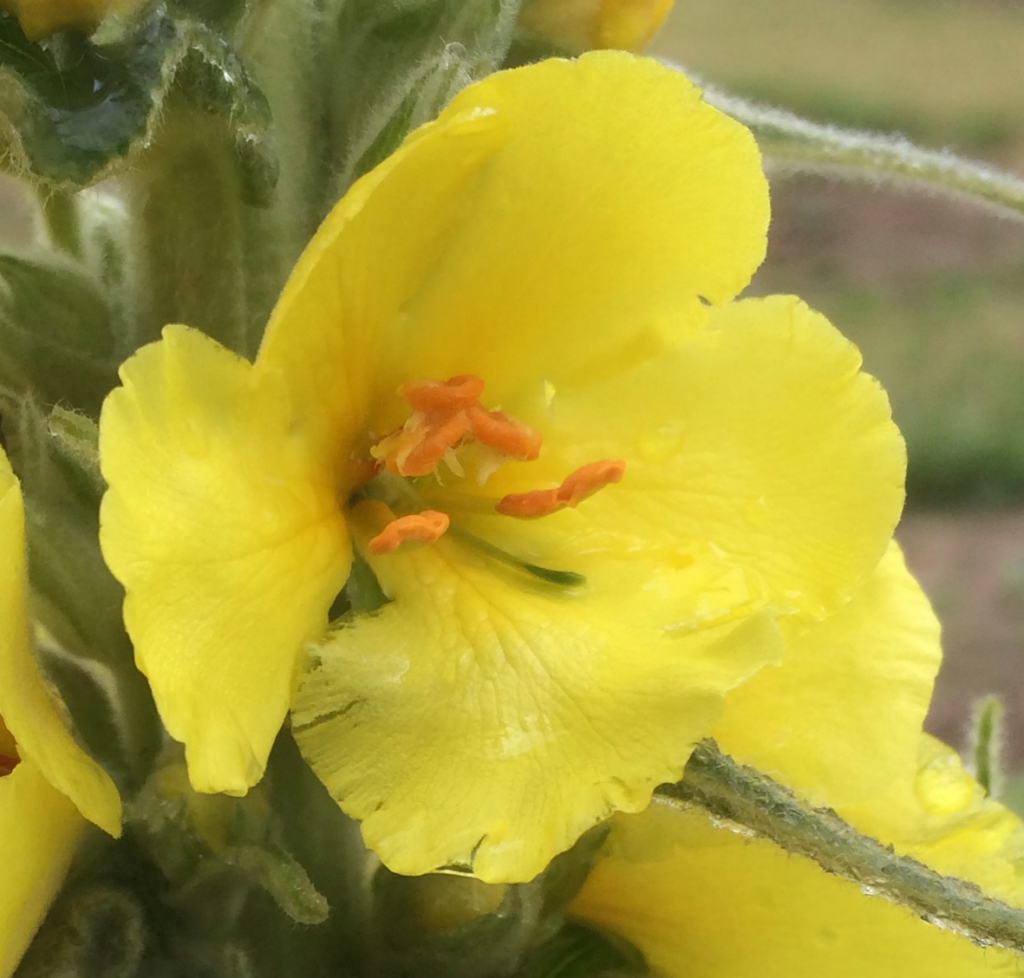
<point>426,451</point>
<point>7,764</point>
<point>426,527</point>
<point>452,395</point>
<point>445,414</point>
<point>584,482</point>
<point>496,429</point>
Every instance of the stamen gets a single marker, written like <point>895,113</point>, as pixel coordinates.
<point>496,429</point>
<point>426,527</point>
<point>423,456</point>
<point>588,479</point>
<point>451,395</point>
<point>584,482</point>
<point>530,505</point>
<point>444,414</point>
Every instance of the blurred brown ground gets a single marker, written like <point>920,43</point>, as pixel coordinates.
<point>972,567</point>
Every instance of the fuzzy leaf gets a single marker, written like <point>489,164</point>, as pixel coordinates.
<point>77,108</point>
<point>400,63</point>
<point>56,335</point>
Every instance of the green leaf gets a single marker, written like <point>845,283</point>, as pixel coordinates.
<point>83,104</point>
<point>79,108</point>
<point>57,339</point>
<point>400,63</point>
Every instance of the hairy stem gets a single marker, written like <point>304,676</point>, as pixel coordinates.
<point>792,145</point>
<point>728,790</point>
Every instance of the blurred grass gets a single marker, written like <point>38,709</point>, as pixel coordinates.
<point>942,70</point>
<point>932,293</point>
<point>948,346</point>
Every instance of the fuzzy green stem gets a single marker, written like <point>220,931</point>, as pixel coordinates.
<point>742,795</point>
<point>189,236</point>
<point>61,221</point>
<point>792,145</point>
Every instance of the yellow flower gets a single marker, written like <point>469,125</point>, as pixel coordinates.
<point>40,18</point>
<point>703,901</point>
<point>45,778</point>
<point>582,25</point>
<point>562,244</point>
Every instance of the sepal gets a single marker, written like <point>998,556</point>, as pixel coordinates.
<point>581,951</point>
<point>218,841</point>
<point>457,926</point>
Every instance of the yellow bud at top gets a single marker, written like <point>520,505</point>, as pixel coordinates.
<point>40,18</point>
<point>627,25</point>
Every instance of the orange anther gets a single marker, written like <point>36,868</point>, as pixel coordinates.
<point>429,447</point>
<point>451,395</point>
<point>501,431</point>
<point>530,505</point>
<point>587,479</point>
<point>425,527</point>
<point>584,482</point>
<point>7,764</point>
<point>444,414</point>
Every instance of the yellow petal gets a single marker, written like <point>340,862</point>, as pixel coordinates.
<point>555,220</point>
<point>756,440</point>
<point>223,524</point>
<point>943,817</point>
<point>487,719</point>
<point>40,829</point>
<point>328,335</point>
<point>866,671</point>
<point>29,711</point>
<point>584,24</point>
<point>701,901</point>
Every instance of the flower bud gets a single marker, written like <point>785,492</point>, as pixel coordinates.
<point>588,24</point>
<point>40,18</point>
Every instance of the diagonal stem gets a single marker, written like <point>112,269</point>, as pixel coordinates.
<point>728,790</point>
<point>793,145</point>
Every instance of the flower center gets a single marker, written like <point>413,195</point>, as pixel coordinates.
<point>7,764</point>
<point>444,416</point>
<point>447,415</point>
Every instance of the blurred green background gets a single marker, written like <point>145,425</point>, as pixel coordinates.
<point>931,290</point>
